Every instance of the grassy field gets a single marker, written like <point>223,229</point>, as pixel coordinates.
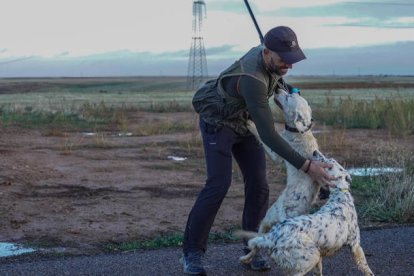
<point>69,94</point>
<point>353,102</point>
<point>65,105</point>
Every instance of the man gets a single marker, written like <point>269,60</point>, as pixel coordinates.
<point>224,104</point>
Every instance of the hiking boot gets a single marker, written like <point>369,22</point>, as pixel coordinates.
<point>258,263</point>
<point>192,263</point>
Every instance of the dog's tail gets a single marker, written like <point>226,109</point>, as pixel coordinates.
<point>243,234</point>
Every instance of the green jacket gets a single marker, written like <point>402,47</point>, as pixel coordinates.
<point>224,108</point>
<point>219,107</point>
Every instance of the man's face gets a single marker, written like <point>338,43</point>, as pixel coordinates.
<point>276,65</point>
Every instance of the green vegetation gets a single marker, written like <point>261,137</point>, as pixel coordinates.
<point>160,128</point>
<point>39,119</point>
<point>353,102</point>
<point>395,114</point>
<point>388,197</point>
<point>94,116</point>
<point>70,95</point>
<point>167,240</point>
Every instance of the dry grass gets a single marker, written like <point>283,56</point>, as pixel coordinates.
<point>391,196</point>
<point>101,105</point>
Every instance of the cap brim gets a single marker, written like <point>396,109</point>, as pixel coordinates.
<point>292,57</point>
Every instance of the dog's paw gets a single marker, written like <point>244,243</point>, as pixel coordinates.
<point>245,259</point>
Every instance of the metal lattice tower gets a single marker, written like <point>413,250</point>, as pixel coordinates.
<point>197,63</point>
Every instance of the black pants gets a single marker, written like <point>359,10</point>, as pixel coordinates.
<point>219,147</point>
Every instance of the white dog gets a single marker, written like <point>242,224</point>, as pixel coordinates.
<point>300,191</point>
<point>298,244</point>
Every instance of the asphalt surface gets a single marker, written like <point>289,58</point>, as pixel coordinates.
<point>389,251</point>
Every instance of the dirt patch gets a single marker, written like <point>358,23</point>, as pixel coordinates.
<point>80,191</point>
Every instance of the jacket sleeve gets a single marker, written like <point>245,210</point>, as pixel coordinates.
<point>254,93</point>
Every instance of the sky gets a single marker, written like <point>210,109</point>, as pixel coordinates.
<point>136,37</point>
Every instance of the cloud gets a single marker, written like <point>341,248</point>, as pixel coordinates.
<point>378,10</point>
<point>14,60</point>
<point>221,51</point>
<point>233,6</point>
<point>392,59</point>
<point>374,14</point>
<point>77,30</point>
<point>390,24</point>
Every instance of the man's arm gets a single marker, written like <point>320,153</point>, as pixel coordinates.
<point>254,93</point>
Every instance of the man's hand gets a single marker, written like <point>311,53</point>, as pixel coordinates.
<point>316,171</point>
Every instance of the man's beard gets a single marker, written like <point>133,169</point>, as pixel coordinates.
<point>273,68</point>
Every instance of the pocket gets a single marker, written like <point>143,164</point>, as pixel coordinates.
<point>209,128</point>
<point>216,140</point>
<point>206,100</point>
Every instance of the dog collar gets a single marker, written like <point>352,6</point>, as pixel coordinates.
<point>294,90</point>
<point>294,129</point>
<point>344,190</point>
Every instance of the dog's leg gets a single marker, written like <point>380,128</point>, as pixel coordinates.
<point>313,262</point>
<point>254,245</point>
<point>287,257</point>
<point>317,270</point>
<point>247,259</point>
<point>273,155</point>
<point>270,219</point>
<point>264,228</point>
<point>360,260</point>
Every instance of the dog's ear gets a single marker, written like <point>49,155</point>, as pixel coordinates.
<point>300,123</point>
<point>318,156</point>
<point>348,179</point>
<point>302,114</point>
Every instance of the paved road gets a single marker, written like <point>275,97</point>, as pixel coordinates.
<point>389,252</point>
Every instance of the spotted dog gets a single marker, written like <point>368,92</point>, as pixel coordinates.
<point>298,244</point>
<point>300,191</point>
